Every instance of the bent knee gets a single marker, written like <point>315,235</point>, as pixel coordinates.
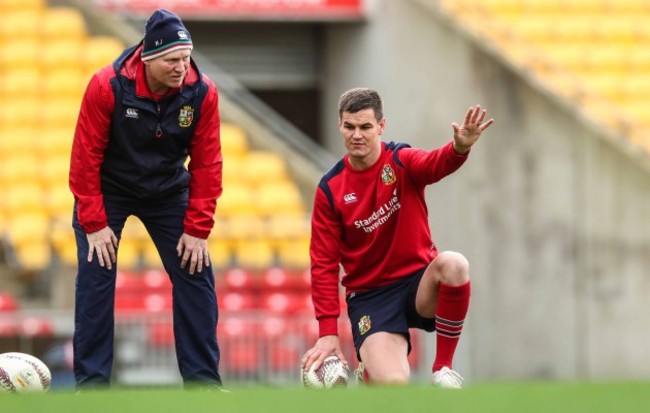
<point>453,268</point>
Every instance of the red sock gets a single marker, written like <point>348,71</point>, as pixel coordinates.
<point>453,303</point>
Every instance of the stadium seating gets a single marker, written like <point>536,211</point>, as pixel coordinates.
<point>8,302</point>
<point>584,51</point>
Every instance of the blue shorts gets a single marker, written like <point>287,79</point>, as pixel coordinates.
<point>390,308</point>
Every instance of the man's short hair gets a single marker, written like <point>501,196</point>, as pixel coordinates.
<point>354,100</point>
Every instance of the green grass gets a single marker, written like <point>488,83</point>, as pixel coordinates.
<point>483,398</point>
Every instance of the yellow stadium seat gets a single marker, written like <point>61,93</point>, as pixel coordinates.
<point>608,85</point>
<point>242,227</point>
<point>55,171</point>
<point>60,113</point>
<point>21,54</point>
<point>620,28</point>
<point>635,86</point>
<point>63,23</point>
<point>17,141</point>
<point>21,83</point>
<point>55,142</point>
<point>233,169</point>
<point>234,142</point>
<point>254,254</point>
<point>605,112</point>
<point>638,111</point>
<point>284,226</point>
<point>150,256</point>
<point>61,231</point>
<point>135,230</point>
<point>28,227</point>
<point>280,196</point>
<point>34,256</point>
<point>66,251</point>
<point>59,201</point>
<point>629,6</point>
<point>236,199</point>
<point>20,170</point>
<point>23,21</point>
<point>23,112</point>
<point>294,254</point>
<point>638,57</point>
<point>99,51</point>
<point>22,5</point>
<point>61,54</point>
<point>128,254</point>
<point>22,199</point>
<point>263,166</point>
<point>66,83</point>
<point>220,253</point>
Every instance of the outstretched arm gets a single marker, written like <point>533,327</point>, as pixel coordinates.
<point>466,135</point>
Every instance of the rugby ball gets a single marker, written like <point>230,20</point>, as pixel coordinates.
<point>332,373</point>
<point>20,372</point>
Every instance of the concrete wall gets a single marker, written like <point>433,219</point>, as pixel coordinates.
<point>554,219</point>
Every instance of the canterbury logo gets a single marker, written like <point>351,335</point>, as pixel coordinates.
<point>349,198</point>
<point>132,113</point>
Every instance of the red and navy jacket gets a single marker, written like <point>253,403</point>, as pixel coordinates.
<point>132,144</point>
<point>373,223</point>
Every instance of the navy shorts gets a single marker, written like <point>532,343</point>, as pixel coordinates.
<point>390,308</point>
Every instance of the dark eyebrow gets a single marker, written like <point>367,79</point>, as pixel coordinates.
<point>362,125</point>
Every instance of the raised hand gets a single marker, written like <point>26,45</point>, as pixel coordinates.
<point>466,135</point>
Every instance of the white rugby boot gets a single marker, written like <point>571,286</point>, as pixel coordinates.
<point>446,378</point>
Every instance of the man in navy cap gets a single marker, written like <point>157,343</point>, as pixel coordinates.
<point>140,119</point>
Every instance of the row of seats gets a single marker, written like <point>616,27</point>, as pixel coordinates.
<point>273,291</point>
<point>233,279</point>
<point>592,53</point>
<point>574,7</point>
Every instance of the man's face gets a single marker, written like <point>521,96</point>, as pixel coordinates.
<point>168,71</point>
<point>361,133</point>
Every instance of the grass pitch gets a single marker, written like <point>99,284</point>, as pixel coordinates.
<point>484,398</point>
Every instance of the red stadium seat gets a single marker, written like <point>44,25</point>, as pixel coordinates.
<point>273,327</point>
<point>8,302</point>
<point>126,304</point>
<point>237,301</point>
<point>156,280</point>
<point>161,334</point>
<point>158,302</point>
<point>8,327</point>
<point>238,279</point>
<point>36,327</point>
<point>128,283</point>
<point>234,327</point>
<point>279,302</point>
<point>277,278</point>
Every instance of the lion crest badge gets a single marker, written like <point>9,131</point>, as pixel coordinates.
<point>185,116</point>
<point>388,175</point>
<point>364,324</point>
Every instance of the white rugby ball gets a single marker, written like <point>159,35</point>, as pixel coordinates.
<point>21,372</point>
<point>332,373</point>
